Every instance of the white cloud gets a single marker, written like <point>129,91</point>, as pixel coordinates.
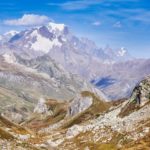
<point>28,20</point>
<point>118,24</point>
<point>96,23</point>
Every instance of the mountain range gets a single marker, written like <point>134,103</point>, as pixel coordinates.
<point>105,68</point>
<point>62,92</point>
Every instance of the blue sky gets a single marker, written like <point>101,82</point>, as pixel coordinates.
<point>119,23</point>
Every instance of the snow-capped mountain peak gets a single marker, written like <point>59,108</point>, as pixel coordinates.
<point>53,26</point>
<point>41,39</point>
<point>122,52</point>
<point>11,33</point>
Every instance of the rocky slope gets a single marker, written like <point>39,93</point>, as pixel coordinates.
<point>110,130</point>
<point>88,122</point>
<point>24,81</point>
<point>49,116</point>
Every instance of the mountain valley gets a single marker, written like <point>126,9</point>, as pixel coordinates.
<point>62,92</point>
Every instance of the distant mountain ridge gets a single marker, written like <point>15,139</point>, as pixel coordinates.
<point>55,37</point>
<point>79,56</point>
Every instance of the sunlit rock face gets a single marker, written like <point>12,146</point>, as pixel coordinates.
<point>79,104</point>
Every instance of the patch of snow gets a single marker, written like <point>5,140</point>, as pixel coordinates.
<point>63,39</point>
<point>9,58</point>
<point>54,26</point>
<point>11,33</point>
<point>43,44</point>
<point>122,52</point>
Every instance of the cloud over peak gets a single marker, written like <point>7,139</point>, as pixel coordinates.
<point>28,20</point>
